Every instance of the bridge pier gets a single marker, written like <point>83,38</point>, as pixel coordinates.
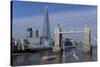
<point>58,37</point>
<point>86,47</point>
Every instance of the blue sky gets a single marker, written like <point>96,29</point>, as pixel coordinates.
<point>23,9</point>
<point>69,16</point>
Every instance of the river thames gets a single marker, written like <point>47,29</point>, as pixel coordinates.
<point>66,56</point>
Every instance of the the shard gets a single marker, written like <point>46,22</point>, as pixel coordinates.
<point>46,27</point>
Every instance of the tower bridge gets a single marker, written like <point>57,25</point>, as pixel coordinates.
<point>58,37</point>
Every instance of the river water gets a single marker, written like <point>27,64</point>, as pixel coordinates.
<point>67,56</point>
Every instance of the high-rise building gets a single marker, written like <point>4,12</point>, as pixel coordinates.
<point>46,27</point>
<point>35,33</point>
<point>32,33</point>
<point>29,32</point>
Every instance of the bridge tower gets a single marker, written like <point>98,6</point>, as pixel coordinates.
<point>58,37</point>
<point>86,47</point>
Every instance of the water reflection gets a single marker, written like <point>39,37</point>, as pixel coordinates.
<point>67,56</point>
